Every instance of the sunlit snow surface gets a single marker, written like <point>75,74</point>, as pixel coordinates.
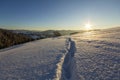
<point>98,55</point>
<point>90,55</point>
<point>32,61</point>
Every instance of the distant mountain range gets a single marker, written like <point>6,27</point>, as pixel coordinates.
<point>13,37</point>
<point>45,34</point>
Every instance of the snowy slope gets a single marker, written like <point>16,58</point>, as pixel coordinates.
<point>97,56</point>
<point>92,55</point>
<point>36,60</point>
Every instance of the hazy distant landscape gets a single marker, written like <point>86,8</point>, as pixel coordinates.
<point>13,37</point>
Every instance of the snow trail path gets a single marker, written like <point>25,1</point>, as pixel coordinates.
<point>92,55</point>
<point>36,60</point>
<point>68,67</point>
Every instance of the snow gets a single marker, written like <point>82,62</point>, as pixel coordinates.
<point>32,61</point>
<point>34,36</point>
<point>98,55</point>
<point>91,55</point>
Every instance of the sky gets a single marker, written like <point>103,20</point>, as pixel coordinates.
<point>59,14</point>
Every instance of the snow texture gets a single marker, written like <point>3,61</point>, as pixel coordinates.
<point>36,60</point>
<point>98,55</point>
<point>91,55</point>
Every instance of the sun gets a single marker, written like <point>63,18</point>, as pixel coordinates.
<point>88,26</point>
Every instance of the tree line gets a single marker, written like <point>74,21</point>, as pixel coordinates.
<point>8,38</point>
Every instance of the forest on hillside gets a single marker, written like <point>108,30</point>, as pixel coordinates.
<point>13,37</point>
<point>8,38</point>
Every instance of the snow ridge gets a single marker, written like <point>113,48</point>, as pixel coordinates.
<point>68,67</point>
<point>59,68</point>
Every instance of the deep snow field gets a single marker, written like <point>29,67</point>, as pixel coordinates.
<point>98,55</point>
<point>32,61</point>
<point>91,55</point>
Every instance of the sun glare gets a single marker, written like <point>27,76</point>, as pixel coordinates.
<point>88,26</point>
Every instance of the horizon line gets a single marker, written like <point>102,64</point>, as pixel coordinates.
<point>55,29</point>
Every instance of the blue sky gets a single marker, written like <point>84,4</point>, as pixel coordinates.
<point>58,14</point>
